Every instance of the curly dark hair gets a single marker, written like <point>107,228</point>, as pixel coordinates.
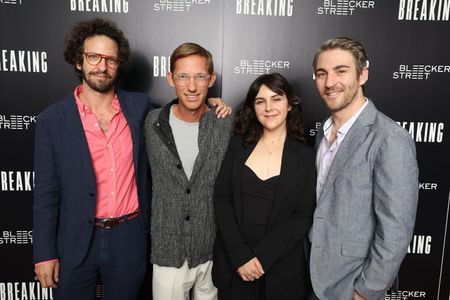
<point>74,44</point>
<point>246,122</point>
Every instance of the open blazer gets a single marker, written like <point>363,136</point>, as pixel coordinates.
<point>65,185</point>
<point>366,211</point>
<point>281,250</point>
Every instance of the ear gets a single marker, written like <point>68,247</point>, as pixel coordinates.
<point>212,80</point>
<point>289,108</point>
<point>364,76</point>
<point>169,78</point>
<point>78,66</point>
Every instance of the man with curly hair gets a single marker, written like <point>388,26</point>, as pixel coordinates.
<point>91,199</point>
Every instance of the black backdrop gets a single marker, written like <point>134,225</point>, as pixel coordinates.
<point>408,45</point>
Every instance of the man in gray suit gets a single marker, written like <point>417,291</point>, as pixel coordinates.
<point>367,183</point>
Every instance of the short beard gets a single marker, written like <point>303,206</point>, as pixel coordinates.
<point>347,102</point>
<point>99,87</point>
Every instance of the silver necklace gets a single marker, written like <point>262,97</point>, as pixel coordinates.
<point>269,153</point>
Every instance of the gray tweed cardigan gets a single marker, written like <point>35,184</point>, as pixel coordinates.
<point>182,211</point>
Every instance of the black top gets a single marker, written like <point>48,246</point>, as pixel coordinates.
<point>257,197</point>
<point>280,250</point>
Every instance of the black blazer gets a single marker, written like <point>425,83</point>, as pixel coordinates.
<point>281,250</point>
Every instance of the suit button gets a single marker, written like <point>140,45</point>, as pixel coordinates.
<point>178,166</point>
<point>92,194</point>
<point>187,218</point>
<point>188,191</point>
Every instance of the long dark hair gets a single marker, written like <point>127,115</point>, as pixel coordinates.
<point>246,123</point>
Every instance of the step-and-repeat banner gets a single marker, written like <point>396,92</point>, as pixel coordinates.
<point>408,45</point>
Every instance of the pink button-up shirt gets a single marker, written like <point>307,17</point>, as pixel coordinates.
<point>112,159</point>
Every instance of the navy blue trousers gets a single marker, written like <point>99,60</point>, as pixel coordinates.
<point>118,255</point>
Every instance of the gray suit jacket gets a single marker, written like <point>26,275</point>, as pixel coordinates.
<point>365,215</point>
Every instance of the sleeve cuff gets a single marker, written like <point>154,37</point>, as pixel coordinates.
<point>46,261</point>
<point>366,292</point>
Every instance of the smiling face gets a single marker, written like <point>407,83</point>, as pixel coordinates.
<point>337,81</point>
<point>102,77</point>
<point>191,93</point>
<point>271,109</point>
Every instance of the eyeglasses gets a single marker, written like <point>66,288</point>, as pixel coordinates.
<point>94,59</point>
<point>184,79</point>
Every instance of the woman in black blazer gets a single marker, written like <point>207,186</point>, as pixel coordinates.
<point>264,198</point>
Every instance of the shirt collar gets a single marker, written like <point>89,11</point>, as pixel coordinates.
<point>83,109</point>
<point>343,130</point>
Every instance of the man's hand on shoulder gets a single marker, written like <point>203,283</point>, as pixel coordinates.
<point>222,110</point>
<point>48,273</point>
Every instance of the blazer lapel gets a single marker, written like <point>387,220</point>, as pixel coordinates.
<point>129,111</point>
<point>238,166</point>
<point>75,129</point>
<point>289,163</point>
<point>351,142</point>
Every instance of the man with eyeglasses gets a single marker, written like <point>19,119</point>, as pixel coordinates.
<point>91,197</point>
<point>185,146</point>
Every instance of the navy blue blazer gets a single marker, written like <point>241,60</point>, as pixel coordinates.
<point>65,186</point>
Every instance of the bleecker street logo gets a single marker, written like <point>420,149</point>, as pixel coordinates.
<point>317,127</point>
<point>419,72</point>
<point>19,237</point>
<point>260,66</point>
<point>344,7</point>
<point>404,295</point>
<point>422,10</point>
<point>178,5</point>
<point>16,122</point>
<point>13,2</point>
<point>428,186</point>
